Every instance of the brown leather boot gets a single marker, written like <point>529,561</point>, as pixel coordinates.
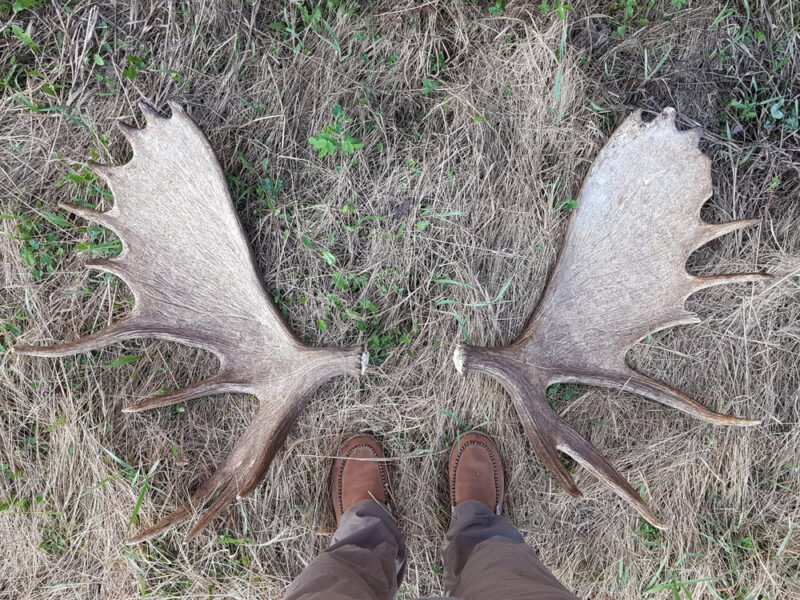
<point>476,471</point>
<point>356,480</point>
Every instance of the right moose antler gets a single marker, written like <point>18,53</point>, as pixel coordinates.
<point>620,277</point>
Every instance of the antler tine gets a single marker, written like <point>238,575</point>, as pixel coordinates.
<point>548,432</point>
<point>543,443</point>
<point>89,214</point>
<point>226,497</point>
<point>132,134</point>
<point>208,387</point>
<point>585,454</point>
<point>177,109</point>
<point>108,173</point>
<point>710,231</point>
<point>230,491</point>
<point>128,328</point>
<point>701,283</point>
<point>198,500</point>
<point>241,471</point>
<point>629,380</point>
<point>107,265</point>
<point>151,115</point>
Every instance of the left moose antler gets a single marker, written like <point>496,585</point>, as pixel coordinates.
<point>172,197</point>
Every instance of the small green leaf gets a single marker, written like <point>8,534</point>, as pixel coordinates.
<point>122,360</point>
<point>328,257</point>
<point>20,5</point>
<point>59,421</point>
<point>23,37</point>
<point>499,7</point>
<point>429,85</point>
<point>56,219</point>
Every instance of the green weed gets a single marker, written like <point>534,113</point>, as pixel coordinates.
<point>498,8</point>
<point>650,536</point>
<point>55,540</point>
<point>334,138</point>
<point>560,8</point>
<point>428,86</point>
<point>565,205</point>
<point>559,393</point>
<point>135,64</point>
<point>42,245</point>
<point>11,328</point>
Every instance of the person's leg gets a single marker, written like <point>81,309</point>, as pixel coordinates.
<point>484,555</point>
<point>366,558</point>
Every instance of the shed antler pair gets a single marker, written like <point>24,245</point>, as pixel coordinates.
<point>172,197</point>
<point>620,276</point>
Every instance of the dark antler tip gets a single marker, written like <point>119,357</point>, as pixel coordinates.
<point>149,111</point>
<point>129,131</point>
<point>105,171</point>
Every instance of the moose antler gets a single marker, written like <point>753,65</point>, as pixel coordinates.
<point>172,197</point>
<point>620,276</point>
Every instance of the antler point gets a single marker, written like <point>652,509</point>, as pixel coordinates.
<point>176,108</point>
<point>150,114</point>
<point>22,350</point>
<point>714,280</point>
<point>107,172</point>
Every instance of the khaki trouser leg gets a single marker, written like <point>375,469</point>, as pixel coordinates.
<point>365,561</point>
<point>485,557</point>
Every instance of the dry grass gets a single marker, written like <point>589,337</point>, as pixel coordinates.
<point>484,159</point>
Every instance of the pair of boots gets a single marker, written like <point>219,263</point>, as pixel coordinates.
<point>485,557</point>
